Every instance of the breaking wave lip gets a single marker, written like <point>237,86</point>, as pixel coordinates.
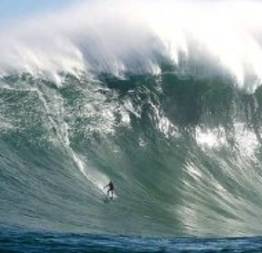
<point>112,37</point>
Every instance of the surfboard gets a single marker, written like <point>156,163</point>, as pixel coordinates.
<point>107,198</point>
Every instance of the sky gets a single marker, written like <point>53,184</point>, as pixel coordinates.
<point>14,9</point>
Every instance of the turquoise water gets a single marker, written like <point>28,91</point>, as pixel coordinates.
<point>184,155</point>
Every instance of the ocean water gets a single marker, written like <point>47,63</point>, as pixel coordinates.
<point>171,115</point>
<point>21,241</point>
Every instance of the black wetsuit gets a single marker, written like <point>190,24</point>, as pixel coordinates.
<point>110,186</point>
<point>110,189</point>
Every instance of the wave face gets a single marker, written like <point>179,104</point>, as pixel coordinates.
<point>179,133</point>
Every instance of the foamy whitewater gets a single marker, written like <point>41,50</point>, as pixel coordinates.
<point>162,97</point>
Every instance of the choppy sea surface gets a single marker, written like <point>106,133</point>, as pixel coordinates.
<point>22,241</point>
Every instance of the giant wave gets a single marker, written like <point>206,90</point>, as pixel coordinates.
<point>171,113</point>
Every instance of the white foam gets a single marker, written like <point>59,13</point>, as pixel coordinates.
<point>119,37</point>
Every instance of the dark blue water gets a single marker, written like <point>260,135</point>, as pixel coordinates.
<point>24,241</point>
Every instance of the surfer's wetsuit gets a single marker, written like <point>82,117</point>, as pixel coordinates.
<point>110,189</point>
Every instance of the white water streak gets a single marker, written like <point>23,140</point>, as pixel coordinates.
<point>97,178</point>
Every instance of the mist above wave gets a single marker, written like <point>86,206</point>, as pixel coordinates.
<point>199,38</point>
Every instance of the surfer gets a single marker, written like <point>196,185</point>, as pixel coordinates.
<point>110,187</point>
